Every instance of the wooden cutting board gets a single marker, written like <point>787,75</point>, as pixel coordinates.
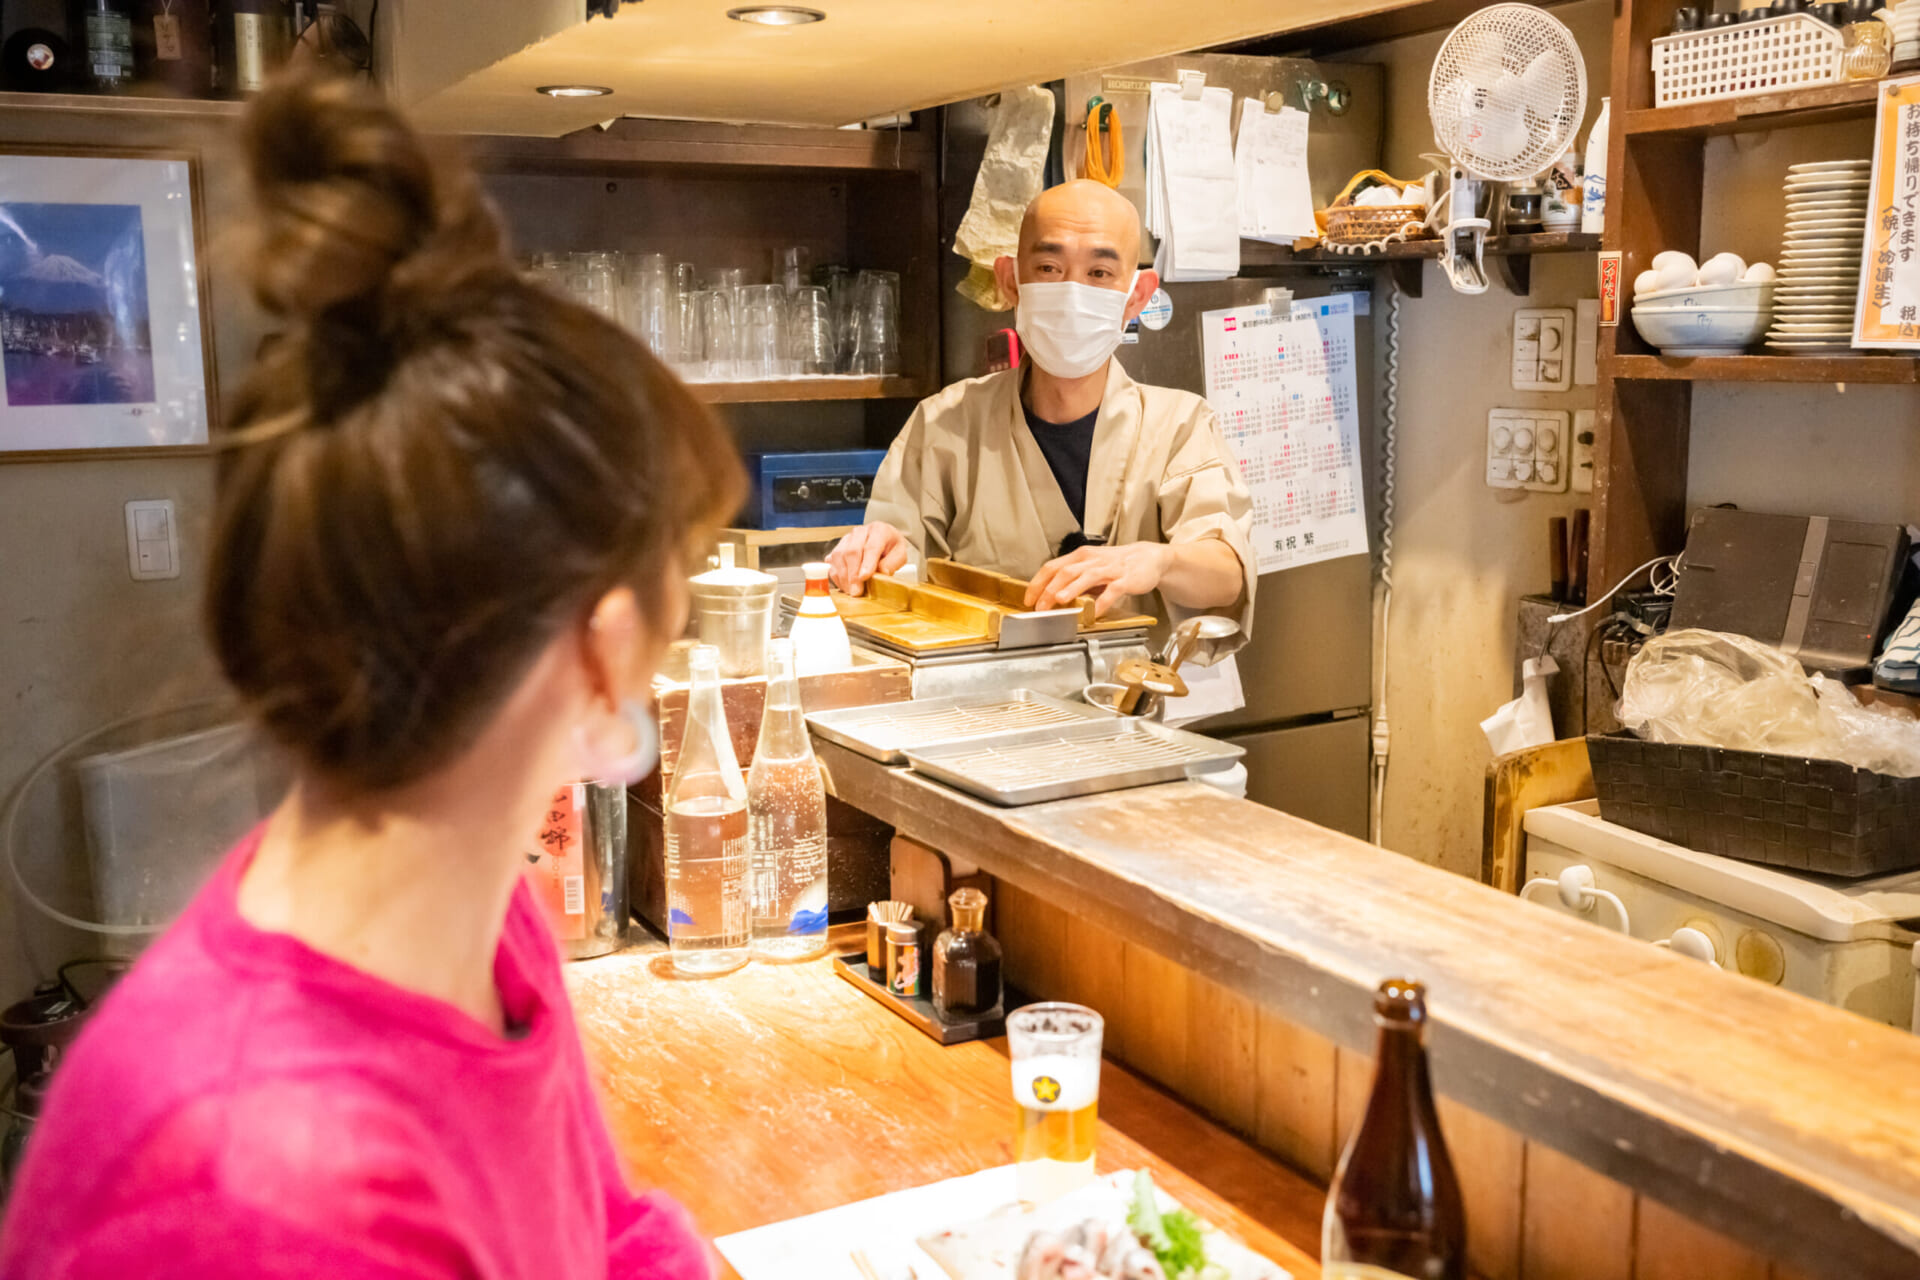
<point>959,607</point>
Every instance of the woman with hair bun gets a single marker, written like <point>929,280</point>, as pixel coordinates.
<point>448,552</point>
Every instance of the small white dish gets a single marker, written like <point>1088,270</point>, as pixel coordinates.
<point>1830,166</point>
<point>1681,330</point>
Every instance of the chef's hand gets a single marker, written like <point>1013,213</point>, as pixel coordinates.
<point>1134,569</point>
<point>870,549</point>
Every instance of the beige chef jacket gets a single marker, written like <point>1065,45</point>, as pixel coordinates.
<point>965,480</point>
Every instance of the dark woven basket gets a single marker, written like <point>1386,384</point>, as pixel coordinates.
<point>1784,811</point>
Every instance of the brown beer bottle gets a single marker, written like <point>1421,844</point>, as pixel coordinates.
<point>1394,1209</point>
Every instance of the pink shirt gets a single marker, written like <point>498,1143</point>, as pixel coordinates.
<point>243,1107</point>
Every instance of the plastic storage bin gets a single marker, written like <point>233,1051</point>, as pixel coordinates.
<point>157,817</point>
<point>1793,51</point>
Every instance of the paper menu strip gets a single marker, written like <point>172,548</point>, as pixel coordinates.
<point>1270,166</point>
<point>1284,394</point>
<point>1887,305</point>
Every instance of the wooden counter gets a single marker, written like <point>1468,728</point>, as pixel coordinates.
<point>778,1091</point>
<point>1789,1126</point>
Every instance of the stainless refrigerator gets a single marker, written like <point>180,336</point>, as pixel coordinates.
<point>1308,669</point>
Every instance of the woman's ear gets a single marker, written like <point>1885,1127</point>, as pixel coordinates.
<point>614,647</point>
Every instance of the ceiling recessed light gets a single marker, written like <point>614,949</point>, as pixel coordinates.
<point>777,15</point>
<point>574,90</point>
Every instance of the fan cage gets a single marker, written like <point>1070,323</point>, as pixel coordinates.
<point>1504,42</point>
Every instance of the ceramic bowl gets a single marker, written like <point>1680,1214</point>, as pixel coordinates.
<point>1690,331</point>
<point>1742,295</point>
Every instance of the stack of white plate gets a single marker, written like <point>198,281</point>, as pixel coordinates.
<point>1820,258</point>
<point>1904,18</point>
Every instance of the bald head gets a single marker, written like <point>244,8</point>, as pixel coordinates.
<point>1083,212</point>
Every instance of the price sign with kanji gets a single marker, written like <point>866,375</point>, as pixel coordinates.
<point>1283,391</point>
<point>1888,311</point>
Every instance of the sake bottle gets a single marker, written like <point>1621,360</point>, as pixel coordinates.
<point>706,834</point>
<point>786,823</point>
<point>820,641</point>
<point>1394,1211</point>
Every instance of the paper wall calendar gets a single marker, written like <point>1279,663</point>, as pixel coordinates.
<point>1283,389</point>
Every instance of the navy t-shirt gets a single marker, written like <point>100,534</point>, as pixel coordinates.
<point>1068,447</point>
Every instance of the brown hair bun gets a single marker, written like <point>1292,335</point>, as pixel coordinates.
<point>440,467</point>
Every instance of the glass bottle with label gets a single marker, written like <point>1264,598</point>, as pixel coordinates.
<point>105,31</point>
<point>787,823</point>
<point>251,39</point>
<point>1394,1210</point>
<point>173,47</point>
<point>706,834</point>
<point>966,960</point>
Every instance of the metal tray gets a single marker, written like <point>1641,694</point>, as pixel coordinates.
<point>888,731</point>
<point>1081,759</point>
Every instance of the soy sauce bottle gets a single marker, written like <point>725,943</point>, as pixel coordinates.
<point>1394,1211</point>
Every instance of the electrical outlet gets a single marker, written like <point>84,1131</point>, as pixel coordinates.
<point>1586,342</point>
<point>1583,428</point>
<point>1542,349</point>
<point>1527,449</point>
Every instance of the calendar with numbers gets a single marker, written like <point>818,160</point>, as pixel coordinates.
<point>1283,388</point>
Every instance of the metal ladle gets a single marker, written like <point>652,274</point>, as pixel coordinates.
<point>1208,637</point>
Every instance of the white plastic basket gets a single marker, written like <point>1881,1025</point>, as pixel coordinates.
<point>1792,51</point>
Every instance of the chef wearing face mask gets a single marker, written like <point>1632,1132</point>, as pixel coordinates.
<point>1065,470</point>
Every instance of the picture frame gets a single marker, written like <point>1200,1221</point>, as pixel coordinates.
<point>106,334</point>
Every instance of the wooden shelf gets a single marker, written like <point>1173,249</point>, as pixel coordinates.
<point>1511,256</point>
<point>120,105</point>
<point>1896,370</point>
<point>633,144</point>
<point>1825,104</point>
<point>833,388</point>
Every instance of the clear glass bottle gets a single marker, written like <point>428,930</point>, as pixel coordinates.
<point>706,830</point>
<point>966,960</point>
<point>1395,1209</point>
<point>820,641</point>
<point>787,823</point>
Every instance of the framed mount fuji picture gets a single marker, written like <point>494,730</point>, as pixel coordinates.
<point>105,338</point>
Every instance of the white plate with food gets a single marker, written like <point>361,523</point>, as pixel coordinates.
<point>1121,1227</point>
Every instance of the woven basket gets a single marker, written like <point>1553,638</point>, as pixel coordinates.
<point>1364,225</point>
<point>1782,811</point>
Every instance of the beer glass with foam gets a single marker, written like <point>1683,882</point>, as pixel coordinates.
<point>1056,1084</point>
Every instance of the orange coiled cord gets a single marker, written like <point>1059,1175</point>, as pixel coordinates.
<point>1106,164</point>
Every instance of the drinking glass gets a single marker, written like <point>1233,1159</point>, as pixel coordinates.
<point>1055,1051</point>
<point>649,293</point>
<point>762,331</point>
<point>596,280</point>
<point>721,348</point>
<point>690,346</point>
<point>790,266</point>
<point>554,271</point>
<point>876,346</point>
<point>810,336</point>
<point>839,283</point>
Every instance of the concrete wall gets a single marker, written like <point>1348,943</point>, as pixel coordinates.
<point>81,643</point>
<point>1463,552</point>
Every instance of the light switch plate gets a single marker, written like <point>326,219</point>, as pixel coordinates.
<point>1586,342</point>
<point>1527,449</point>
<point>153,545</point>
<point>1542,349</point>
<point>1584,423</point>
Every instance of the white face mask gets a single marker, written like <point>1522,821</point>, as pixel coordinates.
<point>1069,328</point>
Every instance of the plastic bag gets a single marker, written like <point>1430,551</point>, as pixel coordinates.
<point>1721,690</point>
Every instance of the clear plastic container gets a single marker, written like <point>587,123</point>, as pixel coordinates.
<point>706,835</point>
<point>787,824</point>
